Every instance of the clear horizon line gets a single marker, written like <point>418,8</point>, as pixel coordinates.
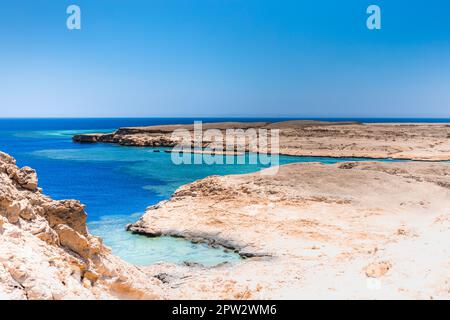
<point>232,117</point>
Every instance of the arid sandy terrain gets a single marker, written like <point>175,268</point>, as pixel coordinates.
<point>313,138</point>
<point>351,230</point>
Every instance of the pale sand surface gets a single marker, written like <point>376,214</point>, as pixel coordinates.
<point>415,141</point>
<point>364,231</point>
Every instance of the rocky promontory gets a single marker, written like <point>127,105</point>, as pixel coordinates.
<point>413,141</point>
<point>47,252</point>
<point>366,230</point>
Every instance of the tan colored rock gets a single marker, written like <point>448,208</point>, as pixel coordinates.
<point>311,230</point>
<point>69,212</point>
<point>416,141</point>
<point>6,159</point>
<point>26,178</point>
<point>11,210</point>
<point>92,276</point>
<point>46,251</point>
<point>14,209</point>
<point>72,240</point>
<point>377,269</point>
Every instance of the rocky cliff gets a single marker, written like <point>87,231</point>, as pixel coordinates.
<point>46,251</point>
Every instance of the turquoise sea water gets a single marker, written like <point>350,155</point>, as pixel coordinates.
<point>116,183</point>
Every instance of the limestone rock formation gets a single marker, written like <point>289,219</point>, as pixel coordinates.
<point>46,251</point>
<point>415,141</point>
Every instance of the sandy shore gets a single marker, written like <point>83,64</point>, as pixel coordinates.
<point>350,230</point>
<point>414,141</point>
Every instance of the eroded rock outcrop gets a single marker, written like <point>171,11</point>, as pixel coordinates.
<point>359,230</point>
<point>46,251</point>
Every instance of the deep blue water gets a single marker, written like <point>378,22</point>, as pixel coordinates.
<point>117,183</point>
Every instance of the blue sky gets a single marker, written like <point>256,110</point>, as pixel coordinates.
<point>225,58</point>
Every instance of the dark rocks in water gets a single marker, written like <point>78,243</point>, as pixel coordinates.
<point>93,138</point>
<point>135,229</point>
<point>85,138</point>
<point>193,264</point>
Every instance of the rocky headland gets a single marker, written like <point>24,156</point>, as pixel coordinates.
<point>46,251</point>
<point>414,141</point>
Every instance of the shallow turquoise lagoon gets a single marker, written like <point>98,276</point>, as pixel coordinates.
<point>117,184</point>
<point>142,250</point>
